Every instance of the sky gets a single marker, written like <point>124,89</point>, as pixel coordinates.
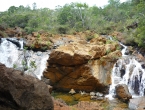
<point>5,4</point>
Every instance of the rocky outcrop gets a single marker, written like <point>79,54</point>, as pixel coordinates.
<point>38,41</point>
<point>137,103</point>
<point>82,66</point>
<point>22,92</point>
<point>122,92</point>
<point>11,32</point>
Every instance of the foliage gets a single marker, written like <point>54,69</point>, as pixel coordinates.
<point>76,17</point>
<point>140,33</point>
<point>14,66</point>
<point>32,64</point>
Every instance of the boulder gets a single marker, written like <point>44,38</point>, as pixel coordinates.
<point>70,55</point>
<point>38,41</point>
<point>83,73</point>
<point>87,77</point>
<point>22,92</point>
<point>137,103</point>
<point>82,66</point>
<point>122,92</point>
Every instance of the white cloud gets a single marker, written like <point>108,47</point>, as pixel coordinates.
<point>48,3</point>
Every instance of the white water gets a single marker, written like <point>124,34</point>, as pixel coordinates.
<point>13,56</point>
<point>133,77</point>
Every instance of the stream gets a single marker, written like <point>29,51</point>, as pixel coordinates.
<point>127,70</point>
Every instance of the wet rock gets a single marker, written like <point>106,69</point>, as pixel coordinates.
<point>126,60</point>
<point>0,40</point>
<point>122,92</point>
<point>129,50</point>
<point>140,75</point>
<point>135,84</point>
<point>16,42</point>
<point>22,92</point>
<point>137,103</point>
<point>143,66</point>
<point>131,68</point>
<point>118,63</point>
<point>122,71</point>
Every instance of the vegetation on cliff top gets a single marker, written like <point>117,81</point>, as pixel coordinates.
<point>73,17</point>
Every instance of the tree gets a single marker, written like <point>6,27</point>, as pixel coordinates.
<point>140,33</point>
<point>34,5</point>
<point>12,9</point>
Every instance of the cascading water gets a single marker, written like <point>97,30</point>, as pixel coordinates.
<point>13,55</point>
<point>129,71</point>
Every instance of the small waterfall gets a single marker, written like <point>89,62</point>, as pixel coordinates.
<point>13,55</point>
<point>129,71</point>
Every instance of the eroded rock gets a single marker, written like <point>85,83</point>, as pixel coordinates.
<point>122,92</point>
<point>82,66</point>
<point>22,92</point>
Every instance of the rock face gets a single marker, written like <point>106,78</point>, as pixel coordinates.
<point>82,66</point>
<point>22,92</point>
<point>137,103</point>
<point>122,92</point>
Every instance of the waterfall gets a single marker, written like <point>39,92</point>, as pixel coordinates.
<point>128,70</point>
<point>13,55</point>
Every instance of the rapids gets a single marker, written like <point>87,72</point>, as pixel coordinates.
<point>13,54</point>
<point>128,70</point>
